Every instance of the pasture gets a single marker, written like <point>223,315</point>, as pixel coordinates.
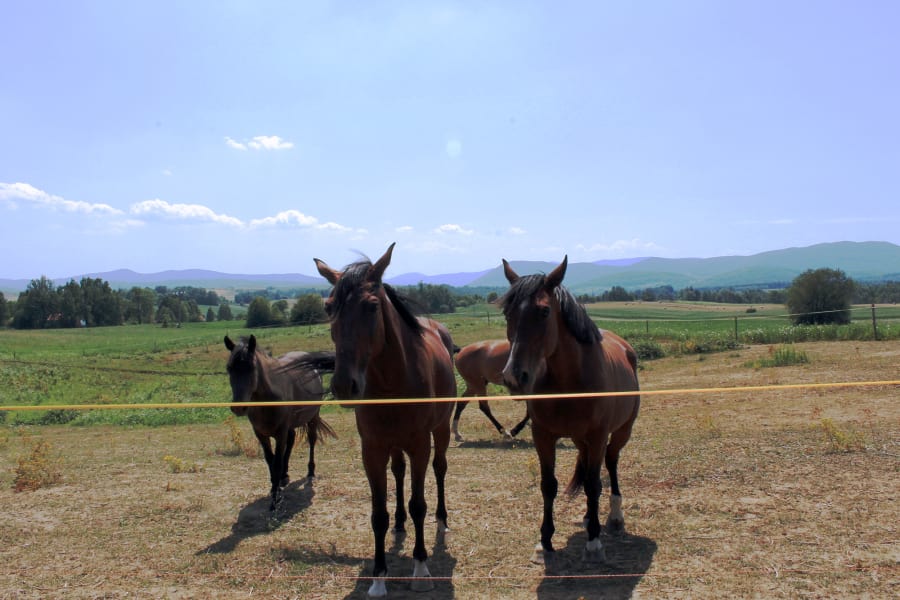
<point>781,493</point>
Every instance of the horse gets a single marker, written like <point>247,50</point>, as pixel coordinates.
<point>557,349</point>
<point>257,377</point>
<point>384,351</point>
<point>479,364</point>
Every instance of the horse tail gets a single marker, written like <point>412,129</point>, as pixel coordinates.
<point>578,476</point>
<point>325,430</point>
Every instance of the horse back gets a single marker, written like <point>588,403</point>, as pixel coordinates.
<point>483,361</point>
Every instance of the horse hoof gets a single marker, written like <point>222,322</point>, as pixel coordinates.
<point>284,481</point>
<point>593,552</point>
<point>378,589</point>
<point>507,436</point>
<point>458,437</point>
<point>421,578</point>
<point>542,556</point>
<point>615,526</point>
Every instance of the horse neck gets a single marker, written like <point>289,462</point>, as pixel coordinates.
<point>267,367</point>
<point>399,344</point>
<point>566,362</point>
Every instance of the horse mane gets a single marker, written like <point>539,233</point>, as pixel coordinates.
<point>575,317</point>
<point>354,276</point>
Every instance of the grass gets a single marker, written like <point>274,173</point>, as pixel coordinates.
<point>782,356</point>
<point>140,364</point>
<point>39,467</point>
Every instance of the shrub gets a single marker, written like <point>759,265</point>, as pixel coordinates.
<point>40,468</point>
<point>783,356</point>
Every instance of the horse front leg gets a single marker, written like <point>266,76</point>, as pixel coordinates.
<point>274,472</point>
<point>375,460</point>
<point>454,428</point>
<point>286,456</point>
<point>545,444</point>
<point>486,409</point>
<point>398,468</point>
<point>515,430</point>
<point>419,455</point>
<point>593,550</point>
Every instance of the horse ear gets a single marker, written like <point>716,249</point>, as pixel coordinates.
<point>228,343</point>
<point>376,271</point>
<point>327,272</point>
<point>554,279</point>
<point>511,276</point>
<point>251,344</point>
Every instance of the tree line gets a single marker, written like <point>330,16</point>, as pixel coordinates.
<point>92,302</point>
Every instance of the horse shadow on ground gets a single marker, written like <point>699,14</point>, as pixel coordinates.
<point>256,518</point>
<point>628,558</point>
<point>496,444</point>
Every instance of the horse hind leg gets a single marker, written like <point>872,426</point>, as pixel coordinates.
<point>615,522</point>
<point>593,549</point>
<point>312,436</point>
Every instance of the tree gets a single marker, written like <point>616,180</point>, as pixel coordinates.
<point>259,313</point>
<point>37,305</point>
<point>140,305</point>
<point>4,310</point>
<point>820,296</point>
<point>308,309</point>
<point>210,315</point>
<point>224,312</point>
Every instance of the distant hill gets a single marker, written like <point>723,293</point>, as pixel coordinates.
<point>863,261</point>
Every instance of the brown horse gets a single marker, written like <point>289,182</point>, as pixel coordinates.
<point>556,348</point>
<point>257,377</point>
<point>383,351</point>
<point>479,364</point>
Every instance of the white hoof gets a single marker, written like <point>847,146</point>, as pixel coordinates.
<point>507,436</point>
<point>421,577</point>
<point>593,552</point>
<point>615,523</point>
<point>541,556</point>
<point>378,588</point>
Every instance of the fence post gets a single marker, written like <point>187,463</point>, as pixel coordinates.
<point>647,324</point>
<point>735,330</point>
<point>874,324</point>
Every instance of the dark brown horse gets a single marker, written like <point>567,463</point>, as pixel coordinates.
<point>257,377</point>
<point>383,351</point>
<point>479,364</point>
<point>556,348</point>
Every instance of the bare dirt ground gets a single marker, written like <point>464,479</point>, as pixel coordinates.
<point>726,494</point>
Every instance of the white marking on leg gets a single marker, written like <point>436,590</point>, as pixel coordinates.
<point>421,577</point>
<point>615,509</point>
<point>378,588</point>
<point>594,545</point>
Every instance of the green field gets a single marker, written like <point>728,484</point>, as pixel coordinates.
<point>140,364</point>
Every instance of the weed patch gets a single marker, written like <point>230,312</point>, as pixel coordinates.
<point>37,469</point>
<point>839,439</point>
<point>178,465</point>
<point>782,356</point>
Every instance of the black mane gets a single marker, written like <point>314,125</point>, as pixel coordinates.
<point>577,321</point>
<point>355,275</point>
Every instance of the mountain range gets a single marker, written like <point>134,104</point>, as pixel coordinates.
<point>862,261</point>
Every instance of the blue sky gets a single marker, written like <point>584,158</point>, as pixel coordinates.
<point>250,137</point>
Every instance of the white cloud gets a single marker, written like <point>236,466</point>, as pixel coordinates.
<point>453,228</point>
<point>10,192</point>
<point>453,148</point>
<point>270,142</point>
<point>516,231</point>
<point>167,172</point>
<point>190,212</point>
<point>287,217</point>
<point>234,144</point>
<point>404,229</point>
<point>620,246</point>
<point>260,142</point>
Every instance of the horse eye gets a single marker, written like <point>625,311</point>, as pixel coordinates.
<point>372,305</point>
<point>544,311</point>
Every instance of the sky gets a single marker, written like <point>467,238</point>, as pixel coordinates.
<point>251,137</point>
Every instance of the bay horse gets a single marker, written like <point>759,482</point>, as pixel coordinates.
<point>384,351</point>
<point>556,348</point>
<point>479,364</point>
<point>257,377</point>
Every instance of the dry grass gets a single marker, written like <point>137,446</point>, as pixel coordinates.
<point>730,494</point>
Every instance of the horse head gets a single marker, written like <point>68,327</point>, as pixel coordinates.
<point>355,309</point>
<point>531,307</point>
<point>242,372</point>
